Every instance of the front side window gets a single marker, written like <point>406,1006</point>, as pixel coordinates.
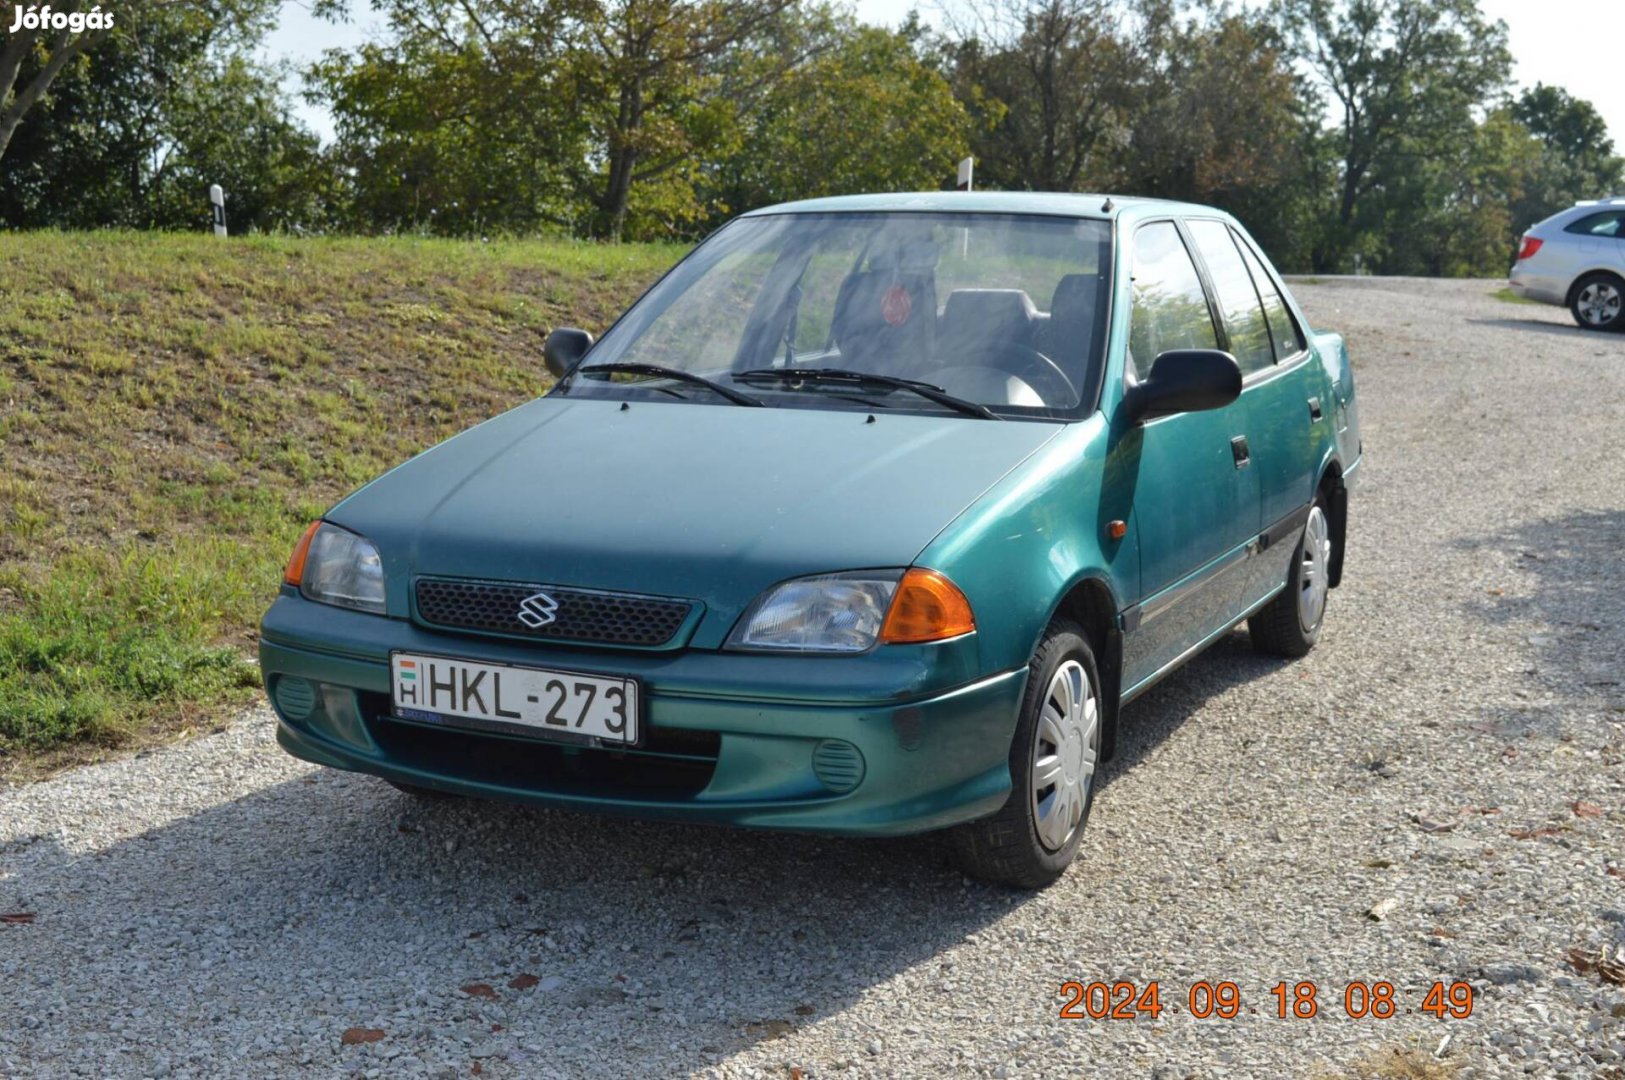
<point>1609,224</point>
<point>1004,311</point>
<point>1239,305</point>
<point>1170,309</point>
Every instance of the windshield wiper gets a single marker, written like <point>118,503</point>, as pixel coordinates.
<point>845,375</point>
<point>664,372</point>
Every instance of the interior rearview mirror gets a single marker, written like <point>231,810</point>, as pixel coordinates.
<point>563,348</point>
<point>1185,380</point>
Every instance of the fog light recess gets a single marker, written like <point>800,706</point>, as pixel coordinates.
<point>838,765</point>
<point>295,697</point>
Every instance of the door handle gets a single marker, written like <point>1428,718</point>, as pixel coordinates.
<point>1238,450</point>
<point>1314,409</point>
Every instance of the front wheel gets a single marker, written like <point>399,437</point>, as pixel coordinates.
<point>1034,837</point>
<point>1290,624</point>
<point>1598,302</point>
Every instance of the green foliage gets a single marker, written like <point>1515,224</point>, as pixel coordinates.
<point>1340,131</point>
<point>1577,159</point>
<point>1404,77</point>
<point>138,123</point>
<point>800,141</point>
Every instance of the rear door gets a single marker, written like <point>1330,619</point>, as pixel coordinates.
<point>1287,408</point>
<point>1195,500</point>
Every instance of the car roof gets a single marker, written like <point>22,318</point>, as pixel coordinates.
<point>1098,206</point>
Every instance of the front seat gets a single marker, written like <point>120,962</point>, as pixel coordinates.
<point>885,322</point>
<point>978,325</point>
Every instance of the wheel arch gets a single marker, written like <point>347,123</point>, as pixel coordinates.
<point>1331,485</point>
<point>1090,602</point>
<point>1591,272</point>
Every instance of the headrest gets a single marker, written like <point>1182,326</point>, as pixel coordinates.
<point>1075,294</point>
<point>987,313</point>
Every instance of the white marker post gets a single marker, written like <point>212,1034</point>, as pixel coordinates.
<point>966,165</point>
<point>217,201</point>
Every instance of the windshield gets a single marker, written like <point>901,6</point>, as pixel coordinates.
<point>1003,312</point>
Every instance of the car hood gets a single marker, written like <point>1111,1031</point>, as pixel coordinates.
<point>712,503</point>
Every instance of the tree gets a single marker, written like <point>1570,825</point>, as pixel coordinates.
<point>799,142</point>
<point>650,85</point>
<point>120,138</point>
<point>1217,115</point>
<point>73,33</point>
<point>1577,159</point>
<point>229,123</point>
<point>1404,77</point>
<point>450,132</point>
<point>1044,82</point>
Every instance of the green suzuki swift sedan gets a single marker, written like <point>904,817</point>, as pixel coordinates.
<point>867,519</point>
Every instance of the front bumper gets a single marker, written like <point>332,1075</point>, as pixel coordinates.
<point>857,746</point>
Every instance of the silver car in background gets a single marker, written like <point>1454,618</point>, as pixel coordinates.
<point>1576,259</point>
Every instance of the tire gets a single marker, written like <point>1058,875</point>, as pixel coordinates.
<point>1598,302</point>
<point>1020,845</point>
<point>422,793</point>
<point>1289,625</point>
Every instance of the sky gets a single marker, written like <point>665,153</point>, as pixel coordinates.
<point>1546,38</point>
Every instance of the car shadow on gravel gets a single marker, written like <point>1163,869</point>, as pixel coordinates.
<point>1542,326</point>
<point>1566,596</point>
<point>478,931</point>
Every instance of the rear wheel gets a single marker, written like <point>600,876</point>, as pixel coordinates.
<point>1034,837</point>
<point>1290,624</point>
<point>1598,302</point>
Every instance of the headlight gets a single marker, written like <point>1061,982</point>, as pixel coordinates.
<point>849,613</point>
<point>836,613</point>
<point>335,566</point>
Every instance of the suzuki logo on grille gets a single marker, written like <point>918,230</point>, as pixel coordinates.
<point>537,610</point>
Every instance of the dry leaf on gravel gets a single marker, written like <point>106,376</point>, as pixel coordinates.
<point>357,1035</point>
<point>523,982</point>
<point>1585,809</point>
<point>480,990</point>
<point>766,1030</point>
<point>1535,834</point>
<point>1606,964</point>
<point>1434,823</point>
<point>17,918</point>
<point>1383,908</point>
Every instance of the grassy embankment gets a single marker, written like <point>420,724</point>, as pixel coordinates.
<point>173,410</point>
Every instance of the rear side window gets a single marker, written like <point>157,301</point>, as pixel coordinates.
<point>1283,327</point>
<point>1170,309</point>
<point>1609,224</point>
<point>1239,305</point>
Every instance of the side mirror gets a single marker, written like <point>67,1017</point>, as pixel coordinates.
<point>1185,380</point>
<point>564,348</point>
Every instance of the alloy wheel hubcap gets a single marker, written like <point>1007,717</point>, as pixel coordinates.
<point>1312,580</point>
<point>1064,755</point>
<point>1599,303</point>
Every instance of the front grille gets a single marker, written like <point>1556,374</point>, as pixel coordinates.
<point>671,763</point>
<point>583,615</point>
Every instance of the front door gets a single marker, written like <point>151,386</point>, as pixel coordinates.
<point>1194,492</point>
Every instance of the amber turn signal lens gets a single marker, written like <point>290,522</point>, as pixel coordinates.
<point>926,607</point>
<point>295,573</point>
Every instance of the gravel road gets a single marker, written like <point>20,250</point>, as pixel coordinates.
<point>1454,746</point>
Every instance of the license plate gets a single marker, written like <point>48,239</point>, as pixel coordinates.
<point>561,704</point>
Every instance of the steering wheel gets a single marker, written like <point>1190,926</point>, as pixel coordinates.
<point>1039,372</point>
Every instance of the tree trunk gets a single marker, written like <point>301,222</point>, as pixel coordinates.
<point>62,50</point>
